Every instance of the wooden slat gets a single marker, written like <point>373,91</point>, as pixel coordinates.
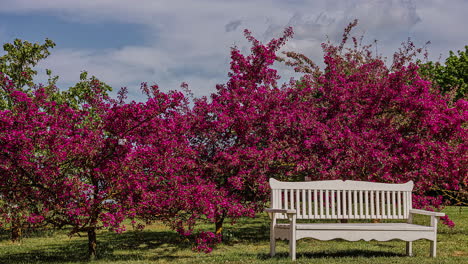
<point>274,199</point>
<point>298,205</point>
<point>327,205</point>
<point>405,204</point>
<point>291,198</point>
<point>350,207</point>
<point>355,202</point>
<point>315,205</point>
<point>366,203</point>
<point>361,204</point>
<point>333,209</point>
<point>279,198</point>
<point>286,204</point>
<point>394,205</point>
<point>399,205</point>
<point>280,202</point>
<point>372,197</point>
<point>389,205</point>
<point>309,199</point>
<point>303,201</point>
<point>321,203</point>
<point>338,201</point>
<point>403,201</point>
<point>378,215</point>
<point>382,200</point>
<point>344,204</point>
<point>410,202</point>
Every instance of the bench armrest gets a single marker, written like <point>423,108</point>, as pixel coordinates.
<point>424,212</point>
<point>281,211</point>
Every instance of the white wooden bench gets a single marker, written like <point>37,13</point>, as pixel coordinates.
<point>338,199</point>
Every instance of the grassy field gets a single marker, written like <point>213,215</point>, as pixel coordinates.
<point>245,242</point>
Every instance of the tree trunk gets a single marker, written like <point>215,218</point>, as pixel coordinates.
<point>16,230</point>
<point>92,243</point>
<point>219,227</point>
<point>16,233</point>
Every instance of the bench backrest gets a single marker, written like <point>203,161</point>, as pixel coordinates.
<point>339,199</point>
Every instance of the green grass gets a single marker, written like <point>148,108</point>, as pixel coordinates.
<point>245,242</point>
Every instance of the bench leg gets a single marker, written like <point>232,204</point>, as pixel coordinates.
<point>272,235</point>
<point>292,236</point>
<point>434,221</point>
<point>433,248</point>
<point>272,245</point>
<point>409,249</point>
<point>292,248</point>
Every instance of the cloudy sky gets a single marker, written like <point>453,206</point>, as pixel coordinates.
<point>126,42</point>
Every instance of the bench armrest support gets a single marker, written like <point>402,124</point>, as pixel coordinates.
<point>424,212</point>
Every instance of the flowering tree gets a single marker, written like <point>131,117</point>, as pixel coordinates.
<point>230,132</point>
<point>363,120</point>
<point>356,119</point>
<point>93,166</point>
<point>17,63</point>
<point>166,183</point>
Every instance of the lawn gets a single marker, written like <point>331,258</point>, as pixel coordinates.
<point>245,242</point>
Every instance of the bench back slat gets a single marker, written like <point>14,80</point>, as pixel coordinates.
<point>342,199</point>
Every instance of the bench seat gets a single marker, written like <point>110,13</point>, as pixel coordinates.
<point>357,231</point>
<point>360,226</point>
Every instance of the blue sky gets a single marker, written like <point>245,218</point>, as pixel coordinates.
<point>167,42</point>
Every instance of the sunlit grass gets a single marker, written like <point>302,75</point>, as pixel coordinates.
<point>245,242</point>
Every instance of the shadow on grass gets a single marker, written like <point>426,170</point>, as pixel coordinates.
<point>49,253</point>
<point>255,230</point>
<point>337,254</point>
<point>132,246</point>
<point>5,235</point>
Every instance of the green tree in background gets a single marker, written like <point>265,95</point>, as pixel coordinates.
<point>76,96</point>
<point>452,77</point>
<point>18,64</point>
<point>19,60</point>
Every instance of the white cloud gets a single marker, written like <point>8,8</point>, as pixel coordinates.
<point>191,39</point>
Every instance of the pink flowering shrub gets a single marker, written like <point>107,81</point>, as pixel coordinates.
<point>205,241</point>
<point>356,119</point>
<point>93,166</point>
<point>360,119</point>
<point>229,132</point>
